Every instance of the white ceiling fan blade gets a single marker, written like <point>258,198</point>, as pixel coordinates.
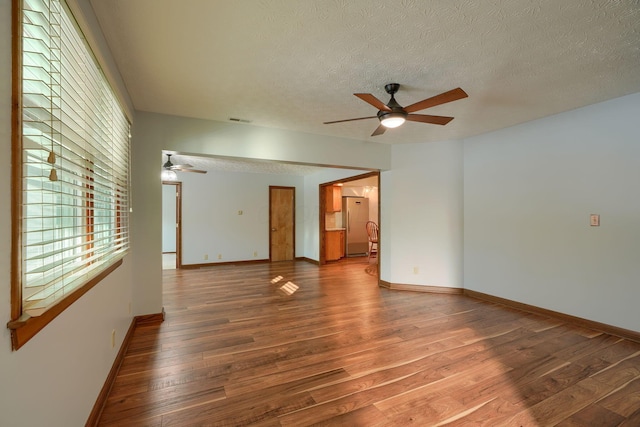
<point>183,166</point>
<point>179,169</point>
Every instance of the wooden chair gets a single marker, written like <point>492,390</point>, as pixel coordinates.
<point>372,232</point>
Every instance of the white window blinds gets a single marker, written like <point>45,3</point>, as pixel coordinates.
<point>75,160</point>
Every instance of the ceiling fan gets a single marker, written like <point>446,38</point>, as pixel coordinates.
<point>392,114</point>
<point>180,168</point>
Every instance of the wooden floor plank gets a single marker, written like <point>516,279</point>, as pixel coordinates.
<point>561,405</point>
<point>341,351</point>
<point>625,400</point>
<point>593,415</point>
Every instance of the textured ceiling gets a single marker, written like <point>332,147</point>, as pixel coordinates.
<point>294,64</point>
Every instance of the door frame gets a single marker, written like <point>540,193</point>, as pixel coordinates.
<point>293,229</point>
<point>322,259</point>
<point>178,188</point>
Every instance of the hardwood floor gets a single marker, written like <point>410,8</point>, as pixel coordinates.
<point>235,350</point>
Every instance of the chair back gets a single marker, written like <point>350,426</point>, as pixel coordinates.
<point>372,231</point>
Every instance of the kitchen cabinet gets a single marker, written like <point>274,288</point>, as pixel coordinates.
<point>334,245</point>
<point>333,198</point>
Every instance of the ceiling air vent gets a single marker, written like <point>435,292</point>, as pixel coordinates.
<point>235,119</point>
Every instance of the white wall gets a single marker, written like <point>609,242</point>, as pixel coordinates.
<point>373,195</point>
<point>55,378</point>
<point>529,191</point>
<point>421,229</point>
<point>211,224</point>
<point>210,221</point>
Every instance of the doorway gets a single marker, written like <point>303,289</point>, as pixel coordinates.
<point>360,186</point>
<point>282,223</point>
<point>171,225</point>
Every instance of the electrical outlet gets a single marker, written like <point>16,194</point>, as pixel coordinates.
<point>205,256</point>
<point>113,338</point>
<point>594,220</point>
<point>416,270</point>
<point>255,254</point>
<point>219,256</point>
<point>239,212</point>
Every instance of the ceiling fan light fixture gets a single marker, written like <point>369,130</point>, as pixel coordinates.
<point>169,175</point>
<point>392,120</point>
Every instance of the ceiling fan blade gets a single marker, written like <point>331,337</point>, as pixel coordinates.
<point>370,99</point>
<point>350,120</point>
<point>379,130</point>
<point>443,98</point>
<point>188,170</point>
<point>425,118</point>
<point>182,166</point>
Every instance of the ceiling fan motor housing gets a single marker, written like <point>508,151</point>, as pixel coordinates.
<point>168,163</point>
<point>396,110</point>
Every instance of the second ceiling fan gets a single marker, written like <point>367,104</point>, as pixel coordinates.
<point>392,114</point>
<point>180,168</point>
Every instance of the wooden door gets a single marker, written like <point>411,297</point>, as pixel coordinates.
<point>281,223</point>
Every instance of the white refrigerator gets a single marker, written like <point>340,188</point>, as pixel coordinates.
<point>355,214</point>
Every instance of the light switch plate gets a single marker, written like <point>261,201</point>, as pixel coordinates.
<point>595,220</point>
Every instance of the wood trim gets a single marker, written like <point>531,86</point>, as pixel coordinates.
<point>101,401</point>
<point>98,406</point>
<point>591,324</point>
<point>215,264</point>
<point>579,321</point>
<point>150,319</point>
<point>384,284</point>
<point>26,327</point>
<point>421,288</point>
<point>179,233</point>
<point>16,159</point>
<point>322,259</point>
<point>354,178</point>
<point>250,261</point>
<point>378,246</point>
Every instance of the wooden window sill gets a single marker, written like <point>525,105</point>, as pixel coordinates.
<point>26,327</point>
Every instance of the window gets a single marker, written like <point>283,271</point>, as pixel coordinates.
<point>70,168</point>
